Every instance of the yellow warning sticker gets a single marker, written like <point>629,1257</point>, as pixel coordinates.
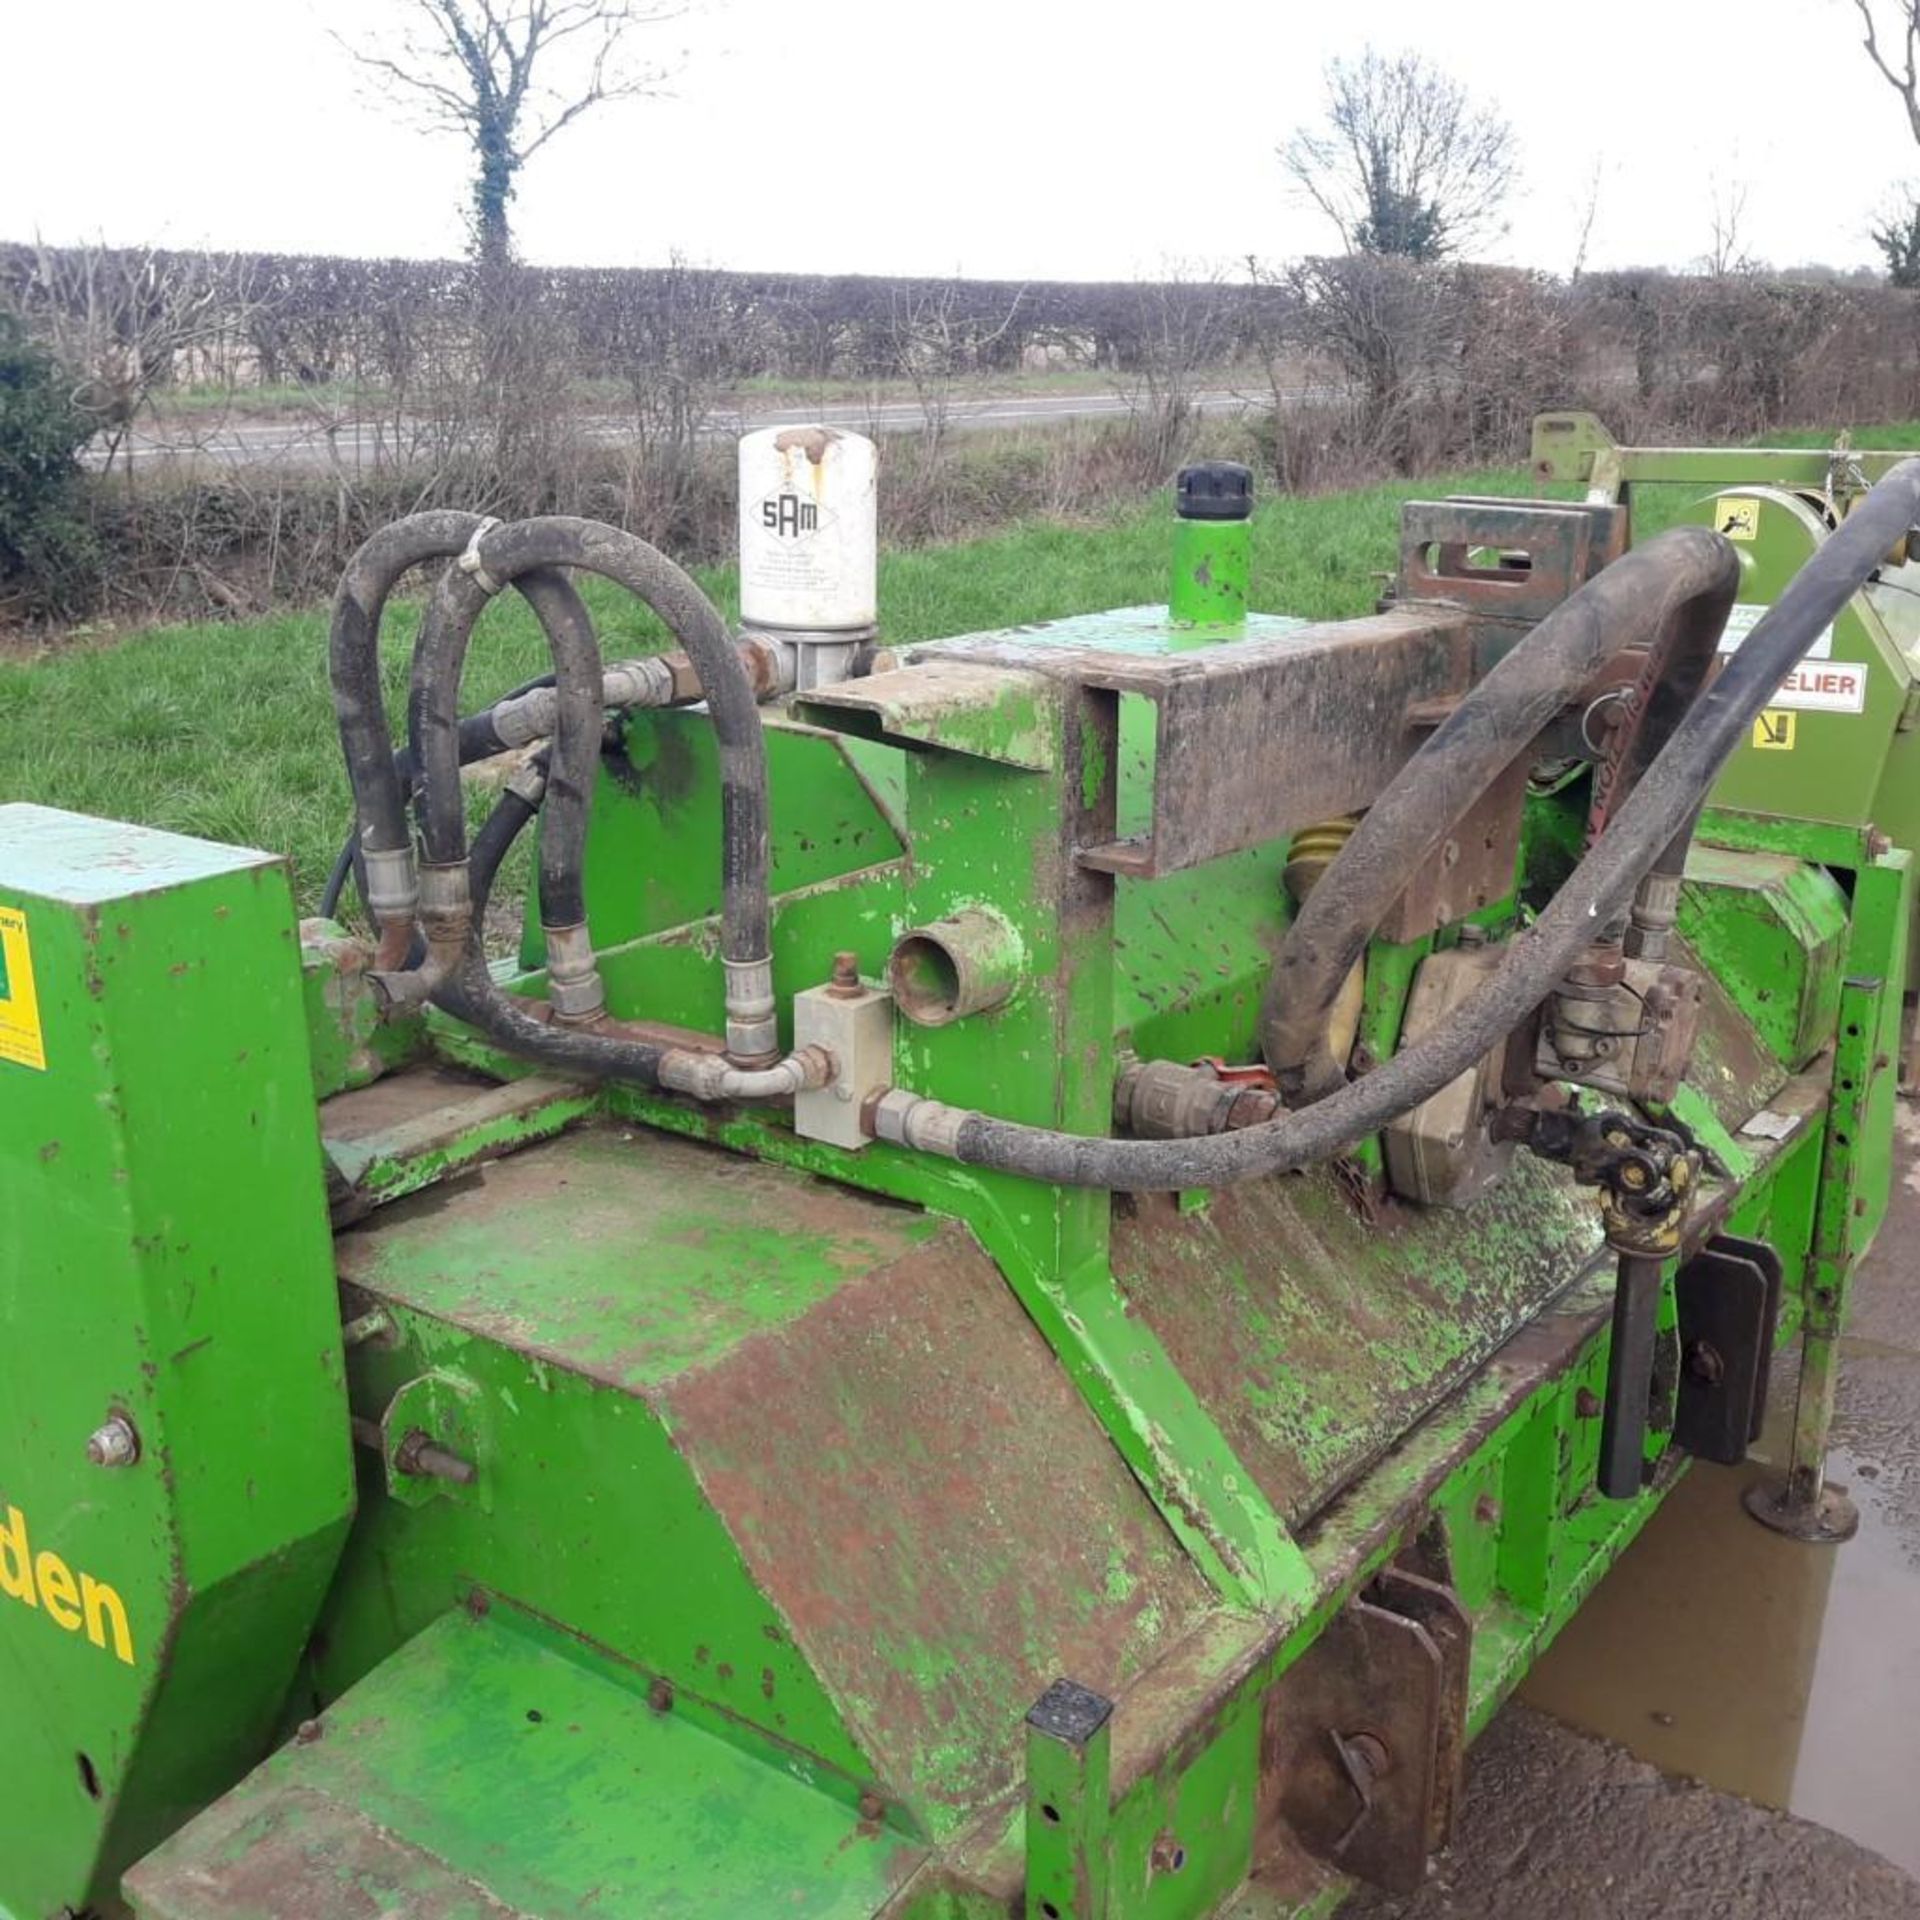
<point>1775,728</point>
<point>20,1039</point>
<point>1737,519</point>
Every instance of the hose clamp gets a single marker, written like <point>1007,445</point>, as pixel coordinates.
<point>752,1029</point>
<point>392,888</point>
<point>574,986</point>
<point>471,564</point>
<point>525,718</point>
<point>529,782</point>
<point>643,682</point>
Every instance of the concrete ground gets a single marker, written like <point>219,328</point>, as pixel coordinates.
<point>1787,1676</point>
<point>1561,1826</point>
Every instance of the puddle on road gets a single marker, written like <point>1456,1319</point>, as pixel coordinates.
<point>1786,1673</point>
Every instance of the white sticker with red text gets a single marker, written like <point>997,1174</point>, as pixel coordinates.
<point>1825,686</point>
<point>1819,684</point>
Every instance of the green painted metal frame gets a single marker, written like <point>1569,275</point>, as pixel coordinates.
<point>1492,1486</point>
<point>164,1261</point>
<point>1510,1479</point>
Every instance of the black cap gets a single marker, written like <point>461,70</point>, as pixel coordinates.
<point>1214,490</point>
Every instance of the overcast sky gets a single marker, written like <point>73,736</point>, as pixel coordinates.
<point>1017,138</point>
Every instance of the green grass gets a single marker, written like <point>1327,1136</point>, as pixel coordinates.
<point>226,731</point>
<point>288,396</point>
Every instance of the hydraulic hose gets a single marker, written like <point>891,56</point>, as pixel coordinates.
<point>703,1075</point>
<point>354,668</point>
<point>471,993</point>
<point>501,555</point>
<point>1665,799</point>
<point>380,778</point>
<point>1676,590</point>
<point>516,808</point>
<point>434,735</point>
<point>479,740</point>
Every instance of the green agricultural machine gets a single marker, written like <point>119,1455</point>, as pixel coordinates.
<point>1057,1257</point>
<point>1840,746</point>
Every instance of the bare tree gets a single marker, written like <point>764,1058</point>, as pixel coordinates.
<point>1726,252</point>
<point>506,76</point>
<point>1901,72</point>
<point>1181,331</point>
<point>938,343</point>
<point>1585,212</point>
<point>131,322</point>
<point>1404,162</point>
<point>1896,231</point>
<point>1385,325</point>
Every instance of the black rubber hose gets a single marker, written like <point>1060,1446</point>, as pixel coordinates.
<point>378,777</point>
<point>478,741</point>
<point>511,814</point>
<point>1676,591</point>
<point>343,869</point>
<point>511,553</point>
<point>435,730</point>
<point>353,664</point>
<point>473,996</point>
<point>1666,798</point>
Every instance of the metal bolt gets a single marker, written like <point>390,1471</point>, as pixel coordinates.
<point>369,1326</point>
<point>1168,1855</point>
<point>1705,1364</point>
<point>116,1444</point>
<point>871,1807</point>
<point>660,1696</point>
<point>307,1732</point>
<point>1368,1752</point>
<point>420,1457</point>
<point>845,984</point>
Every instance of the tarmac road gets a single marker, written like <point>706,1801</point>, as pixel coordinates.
<point>303,441</point>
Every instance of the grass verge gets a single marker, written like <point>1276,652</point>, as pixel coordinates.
<point>226,730</point>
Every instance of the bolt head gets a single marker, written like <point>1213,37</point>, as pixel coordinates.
<point>845,983</point>
<point>114,1444</point>
<point>1168,1855</point>
<point>1705,1364</point>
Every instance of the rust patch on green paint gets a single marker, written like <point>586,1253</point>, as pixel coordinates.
<point>1314,1337</point>
<point>917,1486</point>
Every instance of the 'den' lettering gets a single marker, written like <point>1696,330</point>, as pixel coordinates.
<point>75,1603</point>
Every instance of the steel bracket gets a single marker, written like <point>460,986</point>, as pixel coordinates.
<point>1728,1300</point>
<point>1365,1735</point>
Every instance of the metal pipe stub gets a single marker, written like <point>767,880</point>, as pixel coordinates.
<point>969,962</point>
